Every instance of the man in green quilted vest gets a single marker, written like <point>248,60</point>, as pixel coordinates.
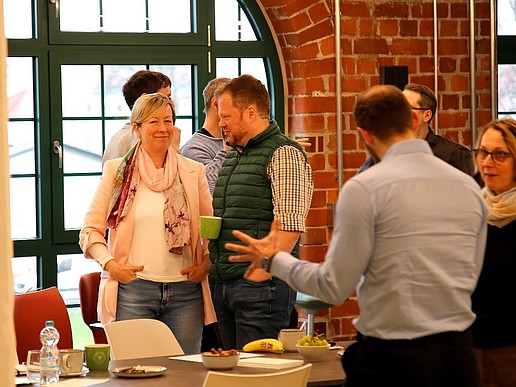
<point>265,176</point>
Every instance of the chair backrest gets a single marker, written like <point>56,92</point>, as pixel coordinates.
<point>31,310</point>
<point>293,377</point>
<point>89,295</point>
<point>140,338</point>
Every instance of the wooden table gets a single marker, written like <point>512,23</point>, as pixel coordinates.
<point>191,374</point>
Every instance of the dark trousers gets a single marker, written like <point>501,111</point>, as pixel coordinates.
<point>210,338</point>
<point>210,333</point>
<point>441,360</point>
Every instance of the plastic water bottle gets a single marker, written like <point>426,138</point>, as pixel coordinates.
<point>49,358</point>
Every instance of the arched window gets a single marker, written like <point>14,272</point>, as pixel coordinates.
<point>67,63</point>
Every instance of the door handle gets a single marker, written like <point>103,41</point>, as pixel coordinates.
<point>58,150</point>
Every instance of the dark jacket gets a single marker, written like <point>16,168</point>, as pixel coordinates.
<point>454,154</point>
<point>243,198</point>
<point>493,299</point>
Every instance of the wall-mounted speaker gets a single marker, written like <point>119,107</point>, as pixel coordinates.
<point>394,75</point>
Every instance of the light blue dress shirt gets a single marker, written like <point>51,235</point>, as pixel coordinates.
<point>409,235</point>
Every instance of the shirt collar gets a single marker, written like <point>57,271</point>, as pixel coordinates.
<point>406,147</point>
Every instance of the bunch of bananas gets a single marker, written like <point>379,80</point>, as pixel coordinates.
<point>264,345</point>
<point>312,340</point>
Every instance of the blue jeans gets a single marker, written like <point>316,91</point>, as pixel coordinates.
<point>177,304</point>
<point>248,311</point>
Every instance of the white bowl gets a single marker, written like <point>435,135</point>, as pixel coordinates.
<point>312,352</point>
<point>214,362</point>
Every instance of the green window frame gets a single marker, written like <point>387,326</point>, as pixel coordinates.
<point>48,251</point>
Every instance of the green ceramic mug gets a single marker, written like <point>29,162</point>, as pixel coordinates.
<point>210,227</point>
<point>97,356</point>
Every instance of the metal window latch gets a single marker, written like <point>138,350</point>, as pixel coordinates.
<point>58,150</point>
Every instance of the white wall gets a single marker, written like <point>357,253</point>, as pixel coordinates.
<point>7,343</point>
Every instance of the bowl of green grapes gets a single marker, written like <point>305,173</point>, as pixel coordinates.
<point>313,347</point>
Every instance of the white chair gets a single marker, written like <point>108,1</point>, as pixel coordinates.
<point>140,338</point>
<point>293,377</point>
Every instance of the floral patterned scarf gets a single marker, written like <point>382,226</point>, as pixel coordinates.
<point>137,165</point>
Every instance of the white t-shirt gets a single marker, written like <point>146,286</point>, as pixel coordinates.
<point>149,246</point>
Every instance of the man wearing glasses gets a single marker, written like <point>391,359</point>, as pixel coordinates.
<point>423,101</point>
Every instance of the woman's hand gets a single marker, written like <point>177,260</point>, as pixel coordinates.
<point>122,273</point>
<point>196,273</point>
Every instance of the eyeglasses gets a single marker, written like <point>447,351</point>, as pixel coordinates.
<point>419,108</point>
<point>498,156</point>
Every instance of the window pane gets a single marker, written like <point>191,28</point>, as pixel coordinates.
<point>160,19</point>
<point>231,23</point>
<point>124,16</point>
<point>115,77</point>
<point>246,30</point>
<point>20,87</point>
<point>81,90</point>
<point>82,146</point>
<point>181,78</point>
<point>23,208</point>
<point>186,130</point>
<point>513,116</point>
<point>24,274</point>
<point>81,333</point>
<point>21,147</point>
<point>234,67</point>
<point>112,127</point>
<point>506,17</point>
<point>79,15</point>
<point>18,19</point>
<point>255,67</point>
<point>164,16</point>
<point>78,192</point>
<point>227,67</point>
<point>70,267</point>
<point>507,88</point>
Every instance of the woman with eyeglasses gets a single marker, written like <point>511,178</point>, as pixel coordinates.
<point>494,300</point>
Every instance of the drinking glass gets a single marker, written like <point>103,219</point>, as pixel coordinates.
<point>33,365</point>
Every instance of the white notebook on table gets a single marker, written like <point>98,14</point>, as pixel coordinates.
<point>270,362</point>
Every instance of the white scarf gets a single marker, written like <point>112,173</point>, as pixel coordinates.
<point>502,207</point>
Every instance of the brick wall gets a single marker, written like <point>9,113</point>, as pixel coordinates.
<point>373,34</point>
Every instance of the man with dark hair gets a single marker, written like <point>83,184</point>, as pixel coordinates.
<point>265,176</point>
<point>207,145</point>
<point>424,103</point>
<point>141,82</point>
<point>414,265</point>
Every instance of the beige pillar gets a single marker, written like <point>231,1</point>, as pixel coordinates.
<point>7,343</point>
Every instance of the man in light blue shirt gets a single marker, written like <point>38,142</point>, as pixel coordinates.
<point>416,263</point>
<point>207,145</point>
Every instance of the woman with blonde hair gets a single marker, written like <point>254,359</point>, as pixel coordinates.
<point>494,333</point>
<point>155,263</point>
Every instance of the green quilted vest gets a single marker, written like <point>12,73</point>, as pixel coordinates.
<point>243,198</point>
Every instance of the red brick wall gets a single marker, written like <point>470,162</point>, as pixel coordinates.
<point>373,33</point>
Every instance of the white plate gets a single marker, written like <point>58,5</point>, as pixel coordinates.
<point>84,371</point>
<point>150,371</point>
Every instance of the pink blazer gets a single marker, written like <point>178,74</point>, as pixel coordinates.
<point>193,177</point>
